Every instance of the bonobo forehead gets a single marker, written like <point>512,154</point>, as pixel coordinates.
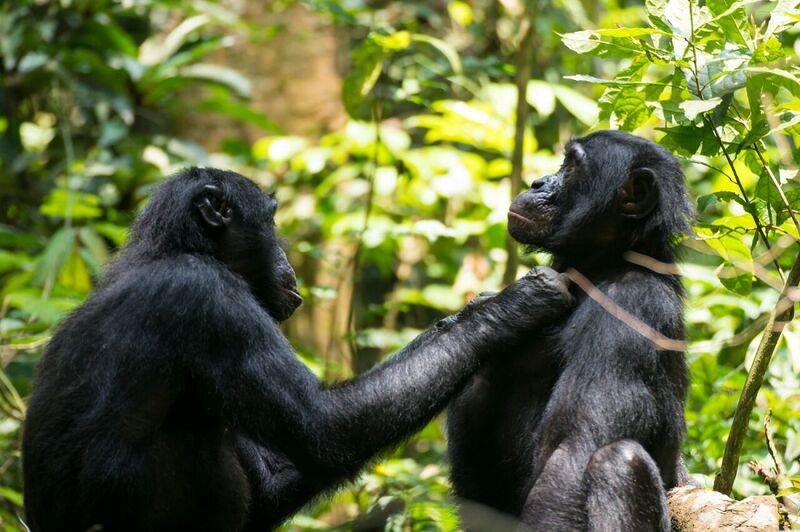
<point>624,149</point>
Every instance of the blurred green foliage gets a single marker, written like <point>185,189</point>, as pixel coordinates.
<point>399,217</point>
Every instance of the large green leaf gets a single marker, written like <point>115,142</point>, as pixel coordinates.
<point>617,42</point>
<point>367,61</point>
<point>55,255</point>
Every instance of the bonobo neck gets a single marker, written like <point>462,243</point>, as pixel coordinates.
<point>600,263</point>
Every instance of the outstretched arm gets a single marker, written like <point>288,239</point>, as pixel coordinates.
<point>331,432</point>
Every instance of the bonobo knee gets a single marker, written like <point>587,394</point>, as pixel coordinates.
<point>621,457</point>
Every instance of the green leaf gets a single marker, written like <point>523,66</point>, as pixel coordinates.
<point>718,74</point>
<point>682,16</point>
<point>74,275</point>
<point>227,77</point>
<point>47,311</point>
<point>736,272</point>
<point>63,203</point>
<point>394,42</point>
<point>367,65</point>
<point>779,77</point>
<point>278,149</point>
<point>115,233</point>
<point>692,108</point>
<point>617,42</point>
<point>156,50</point>
<point>540,96</point>
<point>732,19</point>
<point>14,497</point>
<point>759,129</point>
<point>689,140</point>
<point>94,244</point>
<point>584,109</point>
<point>446,49</point>
<point>783,16</point>
<point>460,12</point>
<point>735,279</point>
<point>629,109</point>
<point>239,111</point>
<point>703,202</point>
<point>13,261</point>
<point>54,256</point>
<point>616,82</point>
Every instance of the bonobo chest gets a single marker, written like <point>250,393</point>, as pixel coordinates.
<point>492,425</point>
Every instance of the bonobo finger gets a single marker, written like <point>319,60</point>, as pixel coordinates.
<point>474,304</point>
<point>545,285</point>
<point>547,278</point>
<point>481,298</point>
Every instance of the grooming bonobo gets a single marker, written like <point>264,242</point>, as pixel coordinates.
<point>581,428</point>
<point>170,400</point>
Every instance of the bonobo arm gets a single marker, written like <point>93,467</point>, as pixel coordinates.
<point>273,398</point>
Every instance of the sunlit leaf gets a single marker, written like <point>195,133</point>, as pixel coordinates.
<point>617,42</point>
<point>221,75</point>
<point>63,203</point>
<point>581,107</point>
<point>155,50</point>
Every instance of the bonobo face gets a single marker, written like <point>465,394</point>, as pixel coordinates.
<point>241,217</point>
<point>609,191</point>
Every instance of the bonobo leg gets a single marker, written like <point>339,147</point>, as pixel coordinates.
<point>615,488</point>
<point>556,501</point>
<point>277,488</point>
<point>624,490</point>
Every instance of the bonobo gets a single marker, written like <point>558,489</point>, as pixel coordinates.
<point>170,400</point>
<point>581,428</point>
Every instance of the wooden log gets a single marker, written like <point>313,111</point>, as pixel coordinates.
<point>695,509</point>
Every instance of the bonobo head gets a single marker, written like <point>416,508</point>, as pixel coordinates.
<point>225,215</point>
<point>614,192</point>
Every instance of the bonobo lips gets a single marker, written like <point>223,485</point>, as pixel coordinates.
<point>519,225</point>
<point>294,299</point>
<point>287,304</point>
<point>528,230</point>
<point>518,218</point>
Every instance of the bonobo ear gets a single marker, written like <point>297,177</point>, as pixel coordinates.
<point>638,196</point>
<point>211,204</point>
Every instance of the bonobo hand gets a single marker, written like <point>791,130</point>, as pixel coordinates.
<point>468,309</point>
<point>538,299</point>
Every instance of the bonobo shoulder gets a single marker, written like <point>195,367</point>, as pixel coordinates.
<point>200,284</point>
<point>654,299</point>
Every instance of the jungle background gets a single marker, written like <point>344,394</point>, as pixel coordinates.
<point>394,135</point>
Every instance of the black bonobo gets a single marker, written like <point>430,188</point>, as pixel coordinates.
<point>170,400</point>
<point>581,428</point>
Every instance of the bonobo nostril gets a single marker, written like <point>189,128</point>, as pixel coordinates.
<point>539,183</point>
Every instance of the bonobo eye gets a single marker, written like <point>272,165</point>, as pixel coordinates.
<point>272,207</point>
<point>213,207</point>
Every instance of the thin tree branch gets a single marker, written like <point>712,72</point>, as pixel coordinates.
<point>517,156</point>
<point>780,316</point>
